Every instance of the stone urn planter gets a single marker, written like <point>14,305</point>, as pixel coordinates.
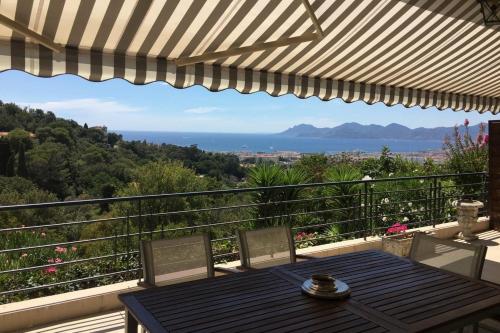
<point>467,216</point>
<point>398,244</point>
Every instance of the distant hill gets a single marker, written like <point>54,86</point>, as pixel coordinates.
<point>391,131</point>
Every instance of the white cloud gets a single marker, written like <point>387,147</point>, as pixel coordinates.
<point>86,105</point>
<point>93,111</point>
<point>203,110</point>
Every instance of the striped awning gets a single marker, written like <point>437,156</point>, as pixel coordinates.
<point>426,53</point>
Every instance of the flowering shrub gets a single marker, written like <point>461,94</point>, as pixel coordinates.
<point>466,155</point>
<point>304,239</point>
<point>397,228</point>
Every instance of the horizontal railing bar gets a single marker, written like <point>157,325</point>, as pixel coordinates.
<point>44,286</point>
<point>216,192</point>
<point>64,263</point>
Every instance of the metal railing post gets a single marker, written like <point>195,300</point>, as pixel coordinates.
<point>365,210</point>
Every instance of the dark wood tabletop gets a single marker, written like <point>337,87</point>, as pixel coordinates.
<point>389,294</point>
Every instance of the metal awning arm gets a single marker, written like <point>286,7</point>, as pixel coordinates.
<point>26,32</point>
<point>318,34</point>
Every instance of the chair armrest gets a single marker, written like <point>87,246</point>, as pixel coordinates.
<point>227,270</point>
<point>304,256</point>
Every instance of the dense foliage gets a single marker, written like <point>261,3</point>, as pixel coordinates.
<point>43,159</point>
<point>70,160</point>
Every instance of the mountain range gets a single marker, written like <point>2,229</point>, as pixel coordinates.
<point>391,131</point>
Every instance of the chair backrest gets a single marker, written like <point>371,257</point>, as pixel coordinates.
<point>461,258</point>
<point>266,247</point>
<point>169,261</point>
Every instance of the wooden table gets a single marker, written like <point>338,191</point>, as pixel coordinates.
<point>388,294</point>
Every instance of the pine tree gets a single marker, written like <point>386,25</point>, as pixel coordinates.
<point>22,170</point>
<point>85,126</point>
<point>10,170</point>
<point>4,156</point>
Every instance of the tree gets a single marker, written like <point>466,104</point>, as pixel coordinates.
<point>22,170</point>
<point>272,202</point>
<point>344,193</point>
<point>18,137</point>
<point>165,177</point>
<point>386,161</point>
<point>467,155</point>
<point>11,166</point>
<point>314,166</point>
<point>85,126</point>
<point>4,156</point>
<point>49,168</point>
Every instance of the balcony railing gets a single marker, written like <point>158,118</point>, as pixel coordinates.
<point>49,248</point>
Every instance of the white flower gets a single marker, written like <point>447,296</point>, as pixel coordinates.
<point>454,203</point>
<point>366,178</point>
<point>405,219</point>
<point>410,204</point>
<point>385,200</point>
<point>422,209</point>
<point>391,174</point>
<point>421,181</point>
<point>384,219</point>
<point>362,205</point>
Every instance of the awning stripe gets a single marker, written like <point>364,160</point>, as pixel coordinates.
<point>412,52</point>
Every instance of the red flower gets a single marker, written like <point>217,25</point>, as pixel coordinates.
<point>466,122</point>
<point>397,228</point>
<point>50,270</point>
<point>486,139</point>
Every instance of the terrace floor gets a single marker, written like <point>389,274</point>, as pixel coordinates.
<point>114,322</point>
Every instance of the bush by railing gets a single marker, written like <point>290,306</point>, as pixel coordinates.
<point>63,246</point>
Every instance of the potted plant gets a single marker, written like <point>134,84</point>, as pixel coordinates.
<point>397,240</point>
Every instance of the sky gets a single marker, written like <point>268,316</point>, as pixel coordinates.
<point>120,105</point>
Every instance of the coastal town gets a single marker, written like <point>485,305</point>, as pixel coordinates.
<point>248,158</point>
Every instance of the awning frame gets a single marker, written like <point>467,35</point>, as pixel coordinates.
<point>317,35</point>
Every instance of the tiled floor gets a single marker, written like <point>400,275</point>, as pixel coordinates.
<point>114,322</point>
<point>105,323</point>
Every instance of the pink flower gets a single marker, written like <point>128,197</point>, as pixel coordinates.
<point>50,260</point>
<point>24,255</point>
<point>486,139</point>
<point>58,260</point>
<point>300,235</point>
<point>43,234</point>
<point>50,270</point>
<point>397,228</point>
<point>60,249</point>
<point>466,122</point>
<point>73,248</point>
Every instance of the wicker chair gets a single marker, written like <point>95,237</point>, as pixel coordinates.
<point>170,261</point>
<point>267,247</point>
<point>461,258</point>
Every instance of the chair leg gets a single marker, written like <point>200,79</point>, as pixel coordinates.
<point>130,323</point>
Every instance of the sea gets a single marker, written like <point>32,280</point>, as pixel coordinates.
<point>268,143</point>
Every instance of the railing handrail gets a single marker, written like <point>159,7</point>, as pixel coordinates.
<point>217,192</point>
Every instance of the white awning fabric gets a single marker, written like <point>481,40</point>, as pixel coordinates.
<point>421,52</point>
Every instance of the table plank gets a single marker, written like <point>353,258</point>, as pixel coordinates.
<point>388,294</point>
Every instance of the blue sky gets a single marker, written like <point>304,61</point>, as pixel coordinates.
<point>159,107</point>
